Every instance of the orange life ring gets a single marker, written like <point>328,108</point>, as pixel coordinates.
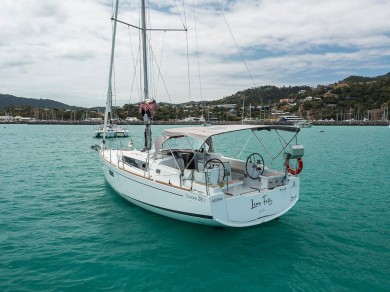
<point>297,170</point>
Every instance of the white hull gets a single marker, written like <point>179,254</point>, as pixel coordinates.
<point>194,183</point>
<point>111,132</point>
<point>303,124</point>
<point>246,207</point>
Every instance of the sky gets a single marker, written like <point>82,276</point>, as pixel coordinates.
<point>60,50</point>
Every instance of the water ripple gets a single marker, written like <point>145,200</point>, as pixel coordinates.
<point>63,228</point>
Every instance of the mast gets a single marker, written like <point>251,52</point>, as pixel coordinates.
<point>144,51</point>
<point>148,130</point>
<point>109,90</point>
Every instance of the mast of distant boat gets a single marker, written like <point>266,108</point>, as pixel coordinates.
<point>242,114</point>
<point>109,90</point>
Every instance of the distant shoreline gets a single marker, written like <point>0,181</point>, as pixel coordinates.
<point>314,123</point>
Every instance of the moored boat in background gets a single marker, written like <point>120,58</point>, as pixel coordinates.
<point>112,131</point>
<point>303,124</point>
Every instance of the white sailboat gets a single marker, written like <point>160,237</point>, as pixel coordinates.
<point>186,175</point>
<point>111,131</point>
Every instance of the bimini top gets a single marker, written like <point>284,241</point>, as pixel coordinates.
<point>204,133</point>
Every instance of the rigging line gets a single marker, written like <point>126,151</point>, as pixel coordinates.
<point>243,148</point>
<point>112,7</point>
<point>188,55</point>
<point>287,142</point>
<point>197,51</point>
<point>159,72</point>
<point>161,56</point>
<point>264,147</point>
<point>235,42</point>
<point>184,23</point>
<point>135,61</point>
<point>113,80</point>
<point>113,89</point>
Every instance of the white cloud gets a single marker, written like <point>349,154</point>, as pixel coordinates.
<point>60,49</point>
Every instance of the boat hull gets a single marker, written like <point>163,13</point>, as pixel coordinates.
<point>99,134</point>
<point>159,198</point>
<point>192,206</point>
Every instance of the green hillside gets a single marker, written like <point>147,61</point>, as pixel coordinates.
<point>7,100</point>
<point>355,97</point>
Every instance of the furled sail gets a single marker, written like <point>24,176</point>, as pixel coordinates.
<point>148,107</point>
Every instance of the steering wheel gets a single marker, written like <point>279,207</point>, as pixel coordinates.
<point>254,164</point>
<point>215,161</point>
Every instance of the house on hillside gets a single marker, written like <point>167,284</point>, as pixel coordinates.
<point>286,100</point>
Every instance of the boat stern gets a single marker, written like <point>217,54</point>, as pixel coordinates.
<point>256,207</point>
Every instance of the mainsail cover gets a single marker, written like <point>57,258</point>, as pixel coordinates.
<point>148,107</point>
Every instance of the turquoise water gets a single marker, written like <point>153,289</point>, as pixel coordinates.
<point>63,228</point>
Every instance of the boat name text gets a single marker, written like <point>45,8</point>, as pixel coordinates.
<point>265,201</point>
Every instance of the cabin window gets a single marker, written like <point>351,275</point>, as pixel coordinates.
<point>111,173</point>
<point>135,162</point>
